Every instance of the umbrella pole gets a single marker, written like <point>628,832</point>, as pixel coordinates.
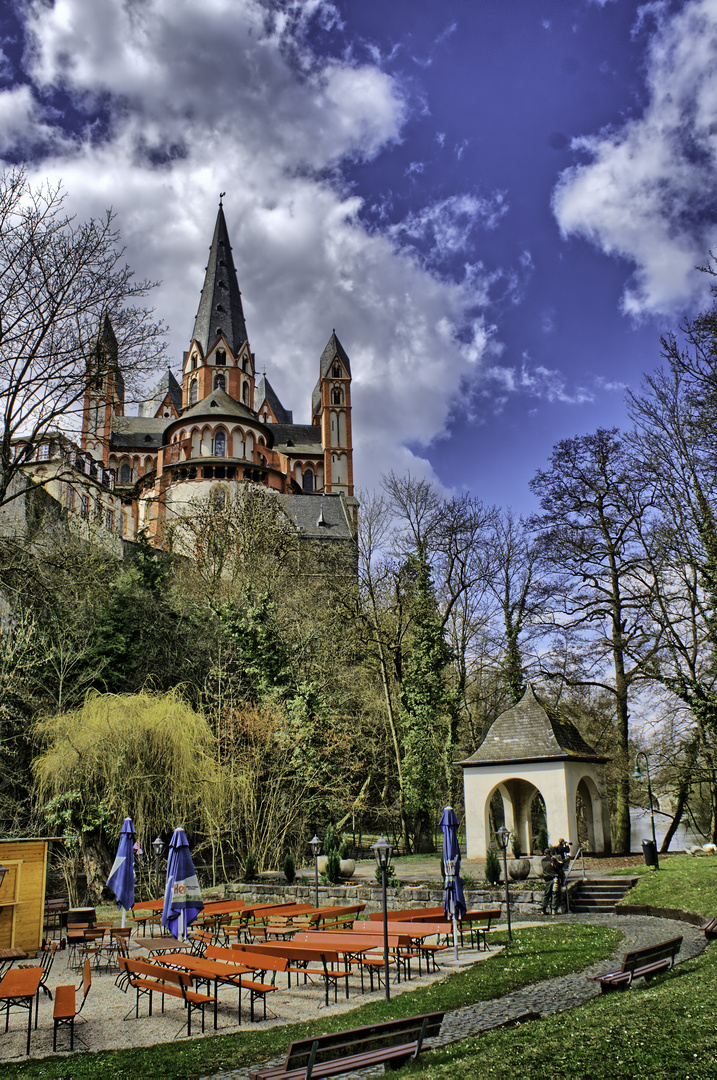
<point>455,935</point>
<point>124,917</point>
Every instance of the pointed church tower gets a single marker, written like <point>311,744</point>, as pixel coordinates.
<point>219,357</point>
<point>104,393</point>
<point>331,410</point>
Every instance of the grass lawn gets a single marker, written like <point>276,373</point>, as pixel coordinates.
<point>536,953</point>
<point>688,882</point>
<point>665,1030</point>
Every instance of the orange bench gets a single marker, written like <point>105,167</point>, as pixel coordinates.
<point>150,979</point>
<point>65,1010</point>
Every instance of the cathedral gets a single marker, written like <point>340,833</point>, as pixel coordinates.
<point>199,439</point>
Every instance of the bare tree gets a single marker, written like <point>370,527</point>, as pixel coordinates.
<point>60,283</point>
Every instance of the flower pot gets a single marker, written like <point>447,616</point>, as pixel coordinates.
<point>347,868</point>
<point>519,869</point>
<point>322,863</point>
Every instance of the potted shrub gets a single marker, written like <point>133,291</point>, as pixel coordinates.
<point>347,866</point>
<point>518,867</point>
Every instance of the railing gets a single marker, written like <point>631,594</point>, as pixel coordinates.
<point>568,872</point>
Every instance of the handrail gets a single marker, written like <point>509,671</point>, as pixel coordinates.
<point>571,864</point>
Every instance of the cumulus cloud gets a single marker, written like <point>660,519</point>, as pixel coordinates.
<point>647,193</point>
<point>232,95</point>
<point>536,381</point>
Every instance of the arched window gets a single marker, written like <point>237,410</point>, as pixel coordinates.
<point>219,499</point>
<point>245,393</point>
<point>337,371</point>
<point>125,475</point>
<point>221,357</point>
<point>220,444</point>
<point>193,364</point>
<point>308,480</point>
<point>220,382</point>
<point>336,397</point>
<point>193,392</point>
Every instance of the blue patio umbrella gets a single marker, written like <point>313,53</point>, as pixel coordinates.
<point>121,879</point>
<point>454,903</point>
<point>182,895</point>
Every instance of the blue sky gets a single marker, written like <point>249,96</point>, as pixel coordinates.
<point>498,204</point>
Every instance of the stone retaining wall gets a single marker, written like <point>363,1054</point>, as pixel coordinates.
<point>522,902</point>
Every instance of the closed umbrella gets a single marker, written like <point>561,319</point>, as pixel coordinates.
<point>182,895</point>
<point>121,879</point>
<point>454,903</point>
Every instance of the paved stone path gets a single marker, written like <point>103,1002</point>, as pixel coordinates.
<point>551,995</point>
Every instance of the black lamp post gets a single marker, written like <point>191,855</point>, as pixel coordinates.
<point>637,775</point>
<point>158,845</point>
<point>315,846</point>
<point>382,851</point>
<point>503,836</point>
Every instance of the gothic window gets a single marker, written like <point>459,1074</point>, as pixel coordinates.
<point>193,365</point>
<point>337,371</point>
<point>337,397</point>
<point>125,474</point>
<point>193,392</point>
<point>308,480</point>
<point>220,444</point>
<point>245,393</point>
<point>220,382</point>
<point>221,357</point>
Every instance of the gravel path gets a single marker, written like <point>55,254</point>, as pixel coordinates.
<point>551,995</point>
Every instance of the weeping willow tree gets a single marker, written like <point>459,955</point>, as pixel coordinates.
<point>148,756</point>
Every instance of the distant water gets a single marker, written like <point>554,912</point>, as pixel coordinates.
<point>642,830</point>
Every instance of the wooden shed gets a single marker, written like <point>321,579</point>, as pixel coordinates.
<point>22,893</point>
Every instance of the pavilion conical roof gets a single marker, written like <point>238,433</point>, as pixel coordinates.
<point>531,731</point>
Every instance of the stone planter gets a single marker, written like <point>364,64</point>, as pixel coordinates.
<point>519,869</point>
<point>322,863</point>
<point>347,868</point>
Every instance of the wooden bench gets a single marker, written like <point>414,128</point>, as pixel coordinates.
<point>640,963</point>
<point>392,1043</point>
<point>150,979</point>
<point>297,962</point>
<point>256,989</point>
<point>710,928</point>
<point>65,1010</point>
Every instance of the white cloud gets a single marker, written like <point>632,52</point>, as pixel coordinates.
<point>224,96</point>
<point>537,381</point>
<point>647,194</point>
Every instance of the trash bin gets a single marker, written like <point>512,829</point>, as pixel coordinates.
<point>649,850</point>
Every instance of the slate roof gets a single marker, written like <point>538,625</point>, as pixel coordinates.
<point>166,385</point>
<point>220,306</point>
<point>297,438</point>
<point>265,392</point>
<point>319,516</point>
<point>218,404</point>
<point>333,348</point>
<point>531,731</point>
<point>137,432</point>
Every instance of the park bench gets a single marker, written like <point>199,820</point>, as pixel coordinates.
<point>392,1043</point>
<point>256,989</point>
<point>710,928</point>
<point>150,979</point>
<point>640,963</point>
<point>298,961</point>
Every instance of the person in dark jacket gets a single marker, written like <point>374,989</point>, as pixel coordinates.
<point>553,874</point>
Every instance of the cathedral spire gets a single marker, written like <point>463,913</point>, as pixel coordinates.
<point>220,307</point>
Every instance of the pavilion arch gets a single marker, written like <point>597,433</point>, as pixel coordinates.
<point>529,749</point>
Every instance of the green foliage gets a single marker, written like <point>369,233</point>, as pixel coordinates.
<point>687,882</point>
<point>261,658</point>
<point>492,867</point>
<point>250,866</point>
<point>425,699</point>
<point>541,839</point>
<point>344,847</point>
<point>516,846</point>
<point>330,840</point>
<point>289,868</point>
<point>333,867</point>
<point>392,882</point>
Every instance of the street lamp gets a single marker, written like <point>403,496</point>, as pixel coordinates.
<point>637,775</point>
<point>158,845</point>
<point>382,851</point>
<point>315,846</point>
<point>503,836</point>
